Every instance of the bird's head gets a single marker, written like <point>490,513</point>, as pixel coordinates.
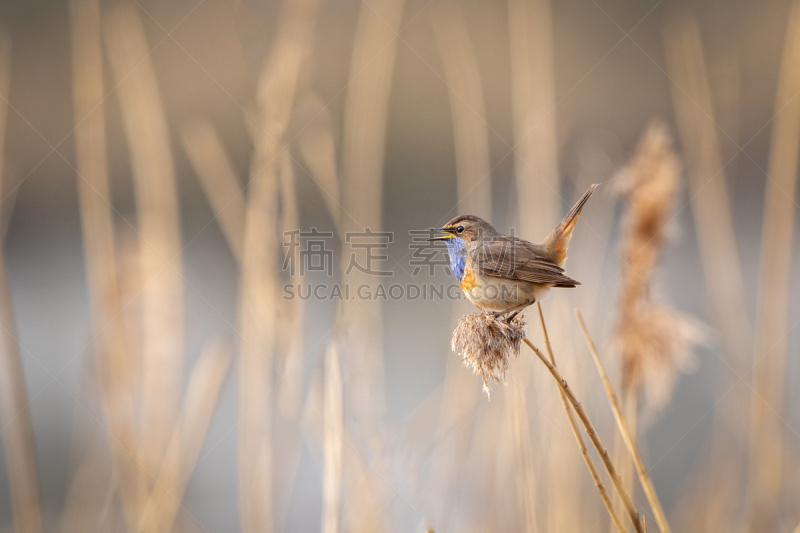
<point>466,227</point>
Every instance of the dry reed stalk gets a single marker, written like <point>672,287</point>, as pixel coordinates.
<point>775,272</point>
<point>318,148</point>
<point>710,201</point>
<point>5,81</point>
<point>594,437</point>
<point>359,333</point>
<point>257,315</point>
<point>524,465</point>
<point>291,316</point>
<point>712,211</point>
<point>260,276</point>
<point>598,481</point>
<point>458,402</point>
<point>332,444</point>
<point>363,148</point>
<point>93,485</point>
<point>533,102</point>
<point>15,417</point>
<point>218,178</point>
<point>630,440</point>
<point>470,130</point>
<point>292,311</point>
<point>164,500</point>
<point>158,224</point>
<point>474,192</point>
<point>110,351</point>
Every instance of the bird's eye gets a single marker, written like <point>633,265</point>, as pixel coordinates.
<point>460,229</point>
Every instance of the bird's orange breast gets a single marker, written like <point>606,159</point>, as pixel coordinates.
<point>469,280</point>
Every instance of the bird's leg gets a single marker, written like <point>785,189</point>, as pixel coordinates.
<point>517,308</point>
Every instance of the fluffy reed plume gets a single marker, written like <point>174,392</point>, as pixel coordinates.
<point>14,414</point>
<point>158,224</point>
<point>487,345</point>
<point>654,342</point>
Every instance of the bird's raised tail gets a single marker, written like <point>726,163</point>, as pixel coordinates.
<point>557,242</point>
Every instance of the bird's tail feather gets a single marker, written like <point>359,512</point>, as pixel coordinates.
<point>558,240</point>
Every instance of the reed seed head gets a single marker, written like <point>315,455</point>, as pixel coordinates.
<point>654,341</point>
<point>488,344</point>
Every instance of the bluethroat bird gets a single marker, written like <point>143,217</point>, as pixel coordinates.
<point>503,274</point>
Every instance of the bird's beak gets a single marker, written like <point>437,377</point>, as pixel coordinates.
<point>447,235</point>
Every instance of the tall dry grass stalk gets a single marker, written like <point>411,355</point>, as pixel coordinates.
<point>523,457</point>
<point>293,311</point>
<point>158,224</point>
<point>260,276</point>
<point>360,323</point>
<point>467,108</point>
<point>622,492</point>
<point>533,103</point>
<point>332,444</point>
<point>598,481</point>
<point>112,357</point>
<point>218,178</point>
<point>775,272</point>
<point>15,417</point>
<point>537,201</point>
<point>257,316</point>
<point>317,146</point>
<point>474,192</point>
<point>711,206</point>
<point>627,435</point>
<point>713,216</point>
<point>164,500</point>
<point>291,319</point>
<point>364,137</point>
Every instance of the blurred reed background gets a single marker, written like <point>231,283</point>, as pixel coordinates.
<point>155,156</point>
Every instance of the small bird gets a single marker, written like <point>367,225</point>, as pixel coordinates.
<point>503,274</point>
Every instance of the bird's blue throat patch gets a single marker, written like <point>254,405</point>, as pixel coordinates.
<point>457,259</point>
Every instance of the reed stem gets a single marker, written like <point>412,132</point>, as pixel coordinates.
<point>593,436</point>
<point>630,442</point>
<point>598,481</point>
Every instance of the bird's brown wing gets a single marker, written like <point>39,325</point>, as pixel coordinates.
<point>512,258</point>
